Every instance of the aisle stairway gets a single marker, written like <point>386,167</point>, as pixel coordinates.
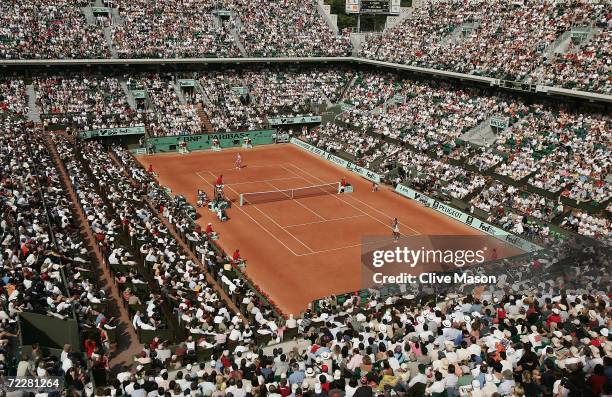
<point>108,36</point>
<point>481,135</point>
<point>34,110</point>
<point>128,94</point>
<point>127,340</point>
<point>207,125</point>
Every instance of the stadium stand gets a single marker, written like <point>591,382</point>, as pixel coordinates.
<point>107,283</point>
<point>44,29</point>
<point>241,100</point>
<point>165,30</point>
<point>84,102</point>
<point>504,40</point>
<point>285,28</point>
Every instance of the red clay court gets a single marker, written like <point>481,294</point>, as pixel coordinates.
<point>301,249</point>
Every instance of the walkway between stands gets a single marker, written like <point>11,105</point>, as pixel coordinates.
<point>128,344</point>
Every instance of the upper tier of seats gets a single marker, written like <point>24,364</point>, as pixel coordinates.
<point>559,43</point>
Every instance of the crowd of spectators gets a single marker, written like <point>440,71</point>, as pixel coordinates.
<point>44,29</point>
<point>233,100</point>
<point>333,137</point>
<point>539,342</point>
<point>83,102</point>
<point>559,150</point>
<point>285,28</point>
<point>498,195</point>
<point>499,39</point>
<point>492,38</point>
<point>584,67</point>
<point>46,265</point>
<point>243,99</point>
<point>588,225</point>
<point>167,115</point>
<point>165,29</point>
<point>12,98</point>
<point>60,30</point>
<point>429,114</point>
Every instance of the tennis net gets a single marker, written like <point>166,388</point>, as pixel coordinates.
<point>289,194</point>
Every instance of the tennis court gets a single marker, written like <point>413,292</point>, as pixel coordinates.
<point>306,247</point>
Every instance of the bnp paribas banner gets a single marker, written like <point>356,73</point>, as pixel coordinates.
<point>205,141</point>
<point>107,132</point>
<point>367,174</point>
<point>468,219</point>
<point>293,120</point>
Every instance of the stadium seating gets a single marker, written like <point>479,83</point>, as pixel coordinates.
<point>108,283</point>
<point>505,40</point>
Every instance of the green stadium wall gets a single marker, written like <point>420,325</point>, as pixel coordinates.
<point>204,141</point>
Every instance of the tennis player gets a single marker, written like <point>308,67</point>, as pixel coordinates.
<point>238,162</point>
<point>395,228</point>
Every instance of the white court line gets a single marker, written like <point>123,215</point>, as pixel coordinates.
<point>257,223</point>
<point>301,204</point>
<point>234,169</point>
<point>341,248</point>
<point>358,209</point>
<point>332,249</point>
<point>264,180</point>
<point>273,221</point>
<point>327,220</point>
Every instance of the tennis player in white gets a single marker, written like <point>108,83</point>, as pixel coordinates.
<point>395,228</point>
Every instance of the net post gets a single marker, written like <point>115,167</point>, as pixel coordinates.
<point>339,187</point>
<point>241,199</point>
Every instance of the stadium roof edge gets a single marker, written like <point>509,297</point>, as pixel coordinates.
<point>548,90</point>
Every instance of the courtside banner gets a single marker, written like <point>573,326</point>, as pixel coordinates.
<point>293,120</point>
<point>337,160</point>
<point>363,172</point>
<point>467,219</point>
<point>138,130</point>
<point>312,149</point>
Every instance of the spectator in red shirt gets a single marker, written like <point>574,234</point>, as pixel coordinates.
<point>283,389</point>
<point>90,346</point>
<point>501,314</point>
<point>597,381</point>
<point>553,318</point>
<point>236,257</point>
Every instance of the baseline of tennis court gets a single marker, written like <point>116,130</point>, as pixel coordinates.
<point>299,249</point>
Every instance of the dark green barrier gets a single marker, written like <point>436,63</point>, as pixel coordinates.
<point>204,141</point>
<point>49,332</point>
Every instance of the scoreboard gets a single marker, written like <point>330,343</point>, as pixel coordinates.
<point>385,7</point>
<point>375,6</point>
